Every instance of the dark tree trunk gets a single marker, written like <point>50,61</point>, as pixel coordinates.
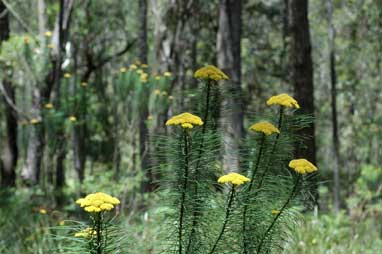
<point>143,130</point>
<point>333,81</point>
<point>9,149</point>
<point>229,60</point>
<point>301,78</point>
<point>302,71</point>
<point>60,156</point>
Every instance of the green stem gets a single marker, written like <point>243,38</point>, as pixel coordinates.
<point>254,170</point>
<point>99,236</point>
<point>227,214</point>
<point>273,147</point>
<point>196,172</point>
<point>184,189</point>
<point>279,214</point>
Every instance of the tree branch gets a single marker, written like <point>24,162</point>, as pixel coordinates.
<point>17,17</point>
<point>18,113</point>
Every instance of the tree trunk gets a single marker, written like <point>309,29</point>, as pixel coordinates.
<point>229,60</point>
<point>30,173</point>
<point>60,156</point>
<point>302,71</point>
<point>333,81</point>
<point>9,150</point>
<point>41,17</point>
<point>300,63</point>
<point>143,130</point>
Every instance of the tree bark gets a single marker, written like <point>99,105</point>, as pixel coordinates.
<point>41,17</point>
<point>333,82</point>
<point>300,63</point>
<point>9,150</point>
<point>60,156</point>
<point>302,71</point>
<point>30,173</point>
<point>229,60</point>
<point>143,130</point>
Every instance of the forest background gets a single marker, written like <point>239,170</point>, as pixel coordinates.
<point>78,116</point>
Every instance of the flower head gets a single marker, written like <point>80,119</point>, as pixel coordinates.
<point>67,75</point>
<point>26,39</point>
<point>210,72</point>
<point>302,166</point>
<point>264,127</point>
<point>233,178</point>
<point>34,121</point>
<point>84,84</point>
<point>48,106</point>
<point>167,74</point>
<point>133,67</point>
<point>72,118</point>
<point>123,69</point>
<point>86,233</point>
<point>283,100</point>
<point>42,211</point>
<point>144,77</point>
<point>98,202</point>
<point>48,34</point>
<point>186,120</point>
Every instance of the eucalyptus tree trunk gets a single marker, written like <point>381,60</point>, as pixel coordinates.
<point>30,172</point>
<point>229,60</point>
<point>302,70</point>
<point>9,148</point>
<point>41,17</point>
<point>333,81</point>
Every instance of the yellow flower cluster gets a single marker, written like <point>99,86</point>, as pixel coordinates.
<point>98,202</point>
<point>48,34</point>
<point>34,121</point>
<point>302,166</point>
<point>144,77</point>
<point>264,127</point>
<point>86,233</point>
<point>233,178</point>
<point>48,106</point>
<point>133,67</point>
<point>167,74</point>
<point>210,72</point>
<point>72,118</point>
<point>283,100</point>
<point>186,120</point>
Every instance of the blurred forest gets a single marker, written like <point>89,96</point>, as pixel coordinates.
<point>87,86</point>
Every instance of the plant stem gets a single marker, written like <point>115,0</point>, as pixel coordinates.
<point>281,114</point>
<point>184,189</point>
<point>279,214</point>
<point>254,170</point>
<point>196,172</point>
<point>99,236</point>
<point>227,214</point>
